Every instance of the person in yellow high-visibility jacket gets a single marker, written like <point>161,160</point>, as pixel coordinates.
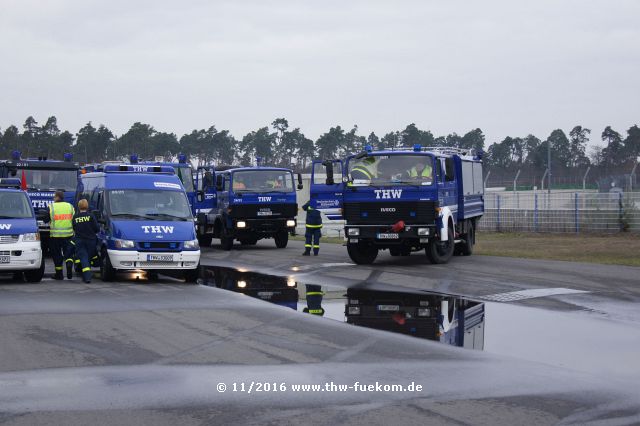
<point>366,169</point>
<point>421,171</point>
<point>60,216</point>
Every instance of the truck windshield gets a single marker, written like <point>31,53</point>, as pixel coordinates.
<point>186,177</point>
<point>395,169</point>
<point>49,179</point>
<point>14,205</point>
<point>262,181</point>
<point>148,204</point>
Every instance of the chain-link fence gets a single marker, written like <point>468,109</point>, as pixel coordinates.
<point>561,212</point>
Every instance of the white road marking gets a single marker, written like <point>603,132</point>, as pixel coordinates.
<point>530,294</point>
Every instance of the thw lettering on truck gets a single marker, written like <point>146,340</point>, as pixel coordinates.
<point>158,229</point>
<point>388,193</point>
<point>5,226</point>
<point>264,199</point>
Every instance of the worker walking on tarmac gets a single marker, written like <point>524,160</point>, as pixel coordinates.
<point>313,228</point>
<point>60,216</point>
<point>85,227</point>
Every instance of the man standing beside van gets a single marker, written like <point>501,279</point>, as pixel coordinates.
<point>60,216</point>
<point>85,228</point>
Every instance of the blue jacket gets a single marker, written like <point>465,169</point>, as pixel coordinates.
<point>314,218</point>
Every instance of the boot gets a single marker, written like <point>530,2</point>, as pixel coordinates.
<point>58,275</point>
<point>306,253</point>
<point>69,270</point>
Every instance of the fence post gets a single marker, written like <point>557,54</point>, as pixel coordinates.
<point>620,212</point>
<point>576,214</point>
<point>535,211</point>
<point>498,205</point>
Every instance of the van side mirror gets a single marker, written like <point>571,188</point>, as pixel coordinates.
<point>300,186</point>
<point>219,182</point>
<point>329,167</point>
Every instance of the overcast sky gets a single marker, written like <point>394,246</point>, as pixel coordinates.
<point>509,67</point>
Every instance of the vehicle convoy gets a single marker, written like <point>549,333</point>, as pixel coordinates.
<point>199,188</point>
<point>145,220</point>
<point>432,316</point>
<point>254,203</point>
<point>41,177</point>
<point>20,251</point>
<point>403,200</point>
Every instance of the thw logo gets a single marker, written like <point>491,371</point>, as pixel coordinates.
<point>264,199</point>
<point>388,193</point>
<point>5,226</point>
<point>158,229</point>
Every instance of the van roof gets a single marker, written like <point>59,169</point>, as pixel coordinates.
<point>157,181</point>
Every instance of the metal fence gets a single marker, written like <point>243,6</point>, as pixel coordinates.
<point>561,211</point>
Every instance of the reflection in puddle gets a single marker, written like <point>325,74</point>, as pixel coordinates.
<point>439,317</point>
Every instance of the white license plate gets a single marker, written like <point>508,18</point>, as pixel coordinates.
<point>388,308</point>
<point>160,257</point>
<point>388,236</point>
<point>5,259</point>
<point>265,214</point>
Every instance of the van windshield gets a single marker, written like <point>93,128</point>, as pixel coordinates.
<point>148,204</point>
<point>49,179</point>
<point>263,181</point>
<point>14,205</point>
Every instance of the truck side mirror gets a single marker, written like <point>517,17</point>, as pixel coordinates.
<point>219,182</point>
<point>300,186</point>
<point>329,167</point>
<point>200,196</point>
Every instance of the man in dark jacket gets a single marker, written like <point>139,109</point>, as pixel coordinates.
<point>85,227</point>
<point>313,228</point>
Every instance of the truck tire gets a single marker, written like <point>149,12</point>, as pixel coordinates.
<point>35,275</point>
<point>281,239</point>
<point>440,252</point>
<point>205,240</point>
<point>465,248</point>
<point>107,271</point>
<point>362,254</point>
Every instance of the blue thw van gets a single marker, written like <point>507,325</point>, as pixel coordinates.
<point>20,251</point>
<point>145,220</point>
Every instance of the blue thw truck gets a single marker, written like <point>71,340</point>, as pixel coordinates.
<point>403,200</point>
<point>254,203</point>
<point>41,177</point>
<point>145,220</point>
<point>20,250</point>
<point>200,189</point>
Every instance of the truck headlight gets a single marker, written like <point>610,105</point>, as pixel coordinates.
<point>424,312</point>
<point>423,231</point>
<point>242,284</point>
<point>291,223</point>
<point>354,310</point>
<point>123,244</point>
<point>353,232</point>
<point>241,224</point>
<point>30,237</point>
<point>191,245</point>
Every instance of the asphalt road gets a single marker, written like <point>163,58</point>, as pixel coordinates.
<point>138,352</point>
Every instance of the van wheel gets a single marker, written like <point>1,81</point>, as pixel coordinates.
<point>107,271</point>
<point>440,252</point>
<point>362,254</point>
<point>35,275</point>
<point>282,239</point>
<point>191,275</point>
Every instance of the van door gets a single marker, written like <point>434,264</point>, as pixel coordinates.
<point>327,187</point>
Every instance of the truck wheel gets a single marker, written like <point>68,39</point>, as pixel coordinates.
<point>465,248</point>
<point>107,271</point>
<point>281,238</point>
<point>205,240</point>
<point>362,254</point>
<point>226,242</point>
<point>35,275</point>
<point>191,275</point>
<point>440,252</point>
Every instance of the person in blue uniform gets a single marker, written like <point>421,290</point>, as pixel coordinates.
<point>85,227</point>
<point>313,227</point>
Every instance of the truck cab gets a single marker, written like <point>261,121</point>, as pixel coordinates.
<point>145,220</point>
<point>20,250</point>
<point>41,177</point>
<point>404,201</point>
<point>255,203</point>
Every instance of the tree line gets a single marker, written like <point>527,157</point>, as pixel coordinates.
<point>281,145</point>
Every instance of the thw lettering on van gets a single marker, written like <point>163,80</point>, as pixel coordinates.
<point>388,193</point>
<point>157,229</point>
<point>264,199</point>
<point>5,226</point>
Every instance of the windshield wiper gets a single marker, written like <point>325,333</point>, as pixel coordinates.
<point>154,215</point>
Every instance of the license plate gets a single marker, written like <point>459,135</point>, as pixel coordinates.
<point>160,257</point>
<point>388,308</point>
<point>5,259</point>
<point>265,214</point>
<point>388,236</point>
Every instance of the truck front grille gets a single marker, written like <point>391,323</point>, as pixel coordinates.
<point>411,212</point>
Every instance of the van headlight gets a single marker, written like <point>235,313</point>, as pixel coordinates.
<point>353,232</point>
<point>30,237</point>
<point>191,245</point>
<point>123,244</point>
